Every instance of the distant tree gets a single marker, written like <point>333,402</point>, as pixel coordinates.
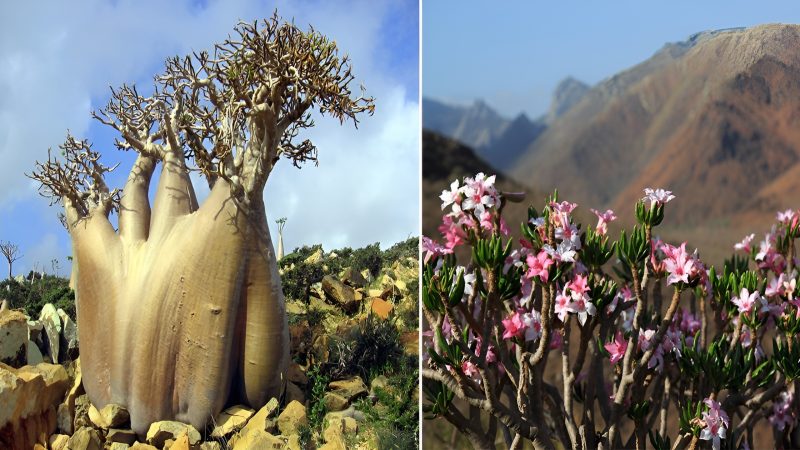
<point>281,223</point>
<point>11,253</point>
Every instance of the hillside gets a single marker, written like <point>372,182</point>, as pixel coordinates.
<point>714,118</point>
<point>443,160</point>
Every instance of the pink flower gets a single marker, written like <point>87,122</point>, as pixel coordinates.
<point>680,265</point>
<point>514,327</point>
<point>617,348</point>
<point>787,217</point>
<point>782,413</point>
<point>582,307</point>
<point>745,244</point>
<point>453,234</point>
<point>745,301</point>
<point>578,285</point>
<point>562,304</point>
<point>716,421</point>
<point>469,368</point>
<point>569,233</point>
<point>432,249</point>
<point>561,212</point>
<point>538,265</point>
<point>480,193</point>
<point>452,197</point>
<point>533,325</point>
<point>775,286</point>
<point>603,219</point>
<point>657,196</point>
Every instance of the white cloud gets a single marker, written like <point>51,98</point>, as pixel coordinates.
<point>56,64</point>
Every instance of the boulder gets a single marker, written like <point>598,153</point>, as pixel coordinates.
<point>33,355</point>
<point>314,257</point>
<point>117,446</point>
<point>339,293</point>
<point>231,420</point>
<point>263,420</point>
<point>320,305</point>
<point>69,336</point>
<point>379,382</point>
<point>334,401</point>
<point>259,439</point>
<point>121,436</point>
<point>295,307</point>
<point>210,445</point>
<point>27,399</point>
<point>349,389</point>
<point>13,338</point>
<point>292,418</point>
<point>351,412</point>
<point>85,438</point>
<point>381,307</point>
<point>181,442</point>
<point>111,416</point>
<point>52,327</point>
<point>334,436</point>
<point>67,410</point>
<point>160,432</point>
<point>353,278</point>
<point>141,446</point>
<point>58,441</point>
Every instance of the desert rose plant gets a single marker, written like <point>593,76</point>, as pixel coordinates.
<point>571,339</point>
<point>180,309</point>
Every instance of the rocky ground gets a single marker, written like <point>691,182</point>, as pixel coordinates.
<point>352,383</point>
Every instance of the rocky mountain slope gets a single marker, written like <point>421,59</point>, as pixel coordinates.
<point>716,119</point>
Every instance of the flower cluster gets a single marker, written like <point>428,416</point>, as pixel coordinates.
<point>639,335</point>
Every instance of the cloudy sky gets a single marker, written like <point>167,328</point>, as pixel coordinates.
<point>514,56</point>
<point>58,60</point>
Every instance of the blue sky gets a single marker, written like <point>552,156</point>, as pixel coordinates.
<point>57,62</point>
<point>514,55</point>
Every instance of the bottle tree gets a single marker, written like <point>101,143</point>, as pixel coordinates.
<point>180,310</point>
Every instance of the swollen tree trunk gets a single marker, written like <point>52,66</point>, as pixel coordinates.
<point>181,311</point>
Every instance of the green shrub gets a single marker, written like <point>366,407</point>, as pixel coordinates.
<point>33,294</point>
<point>371,345</point>
<point>395,415</point>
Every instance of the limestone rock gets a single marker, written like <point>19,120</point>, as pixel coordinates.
<point>141,446</point>
<point>349,389</point>
<point>180,443</point>
<point>66,412</point>
<point>13,337</point>
<point>27,399</point>
<point>259,439</point>
<point>334,401</point>
<point>210,445</point>
<point>69,336</point>
<point>351,412</point>
<point>82,411</point>
<point>381,307</point>
<point>110,416</point>
<point>117,446</point>
<point>294,442</point>
<point>264,419</point>
<point>52,327</point>
<point>353,278</point>
<point>58,441</point>
<point>339,293</point>
<point>33,355</point>
<point>314,257</point>
<point>295,307</point>
<point>121,436</point>
<point>292,418</point>
<point>159,432</point>
<point>85,438</point>
<point>231,420</point>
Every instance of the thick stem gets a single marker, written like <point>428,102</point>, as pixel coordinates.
<point>134,209</point>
